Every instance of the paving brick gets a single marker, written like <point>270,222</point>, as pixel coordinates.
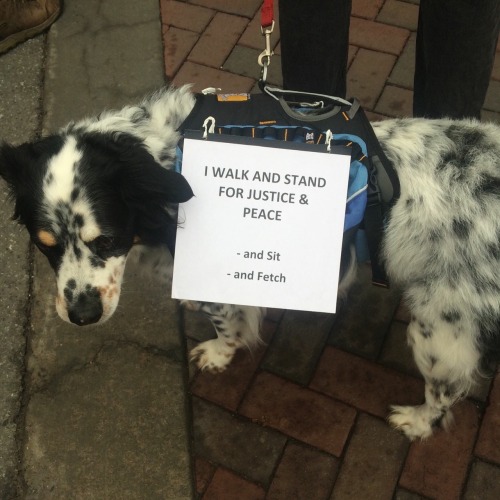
<point>484,483</point>
<point>402,494</point>
<point>403,72</point>
<point>481,389</point>
<point>367,76</point>
<point>197,326</point>
<point>402,14</point>
<point>396,102</point>
<point>488,444</point>
<point>248,449</point>
<point>192,369</point>
<point>203,77</point>
<point>396,352</point>
<point>217,41</point>
<point>243,61</point>
<point>178,43</point>
<point>372,462</point>
<point>490,116</point>
<point>362,324</point>
<point>303,473</point>
<point>492,101</point>
<point>246,8</point>
<point>277,49</point>
<point>496,68</point>
<point>185,16</point>
<point>204,472</point>
<point>437,467</point>
<point>252,37</point>
<point>299,412</point>
<point>226,484</point>
<point>366,8</point>
<point>374,117</point>
<point>363,384</point>
<point>297,345</point>
<point>227,388</point>
<point>377,36</point>
<point>351,54</point>
<point>403,313</point>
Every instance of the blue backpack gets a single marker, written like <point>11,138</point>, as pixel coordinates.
<point>312,119</point>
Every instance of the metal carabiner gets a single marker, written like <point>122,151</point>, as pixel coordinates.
<point>267,52</point>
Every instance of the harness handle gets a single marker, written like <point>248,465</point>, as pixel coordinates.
<point>276,92</point>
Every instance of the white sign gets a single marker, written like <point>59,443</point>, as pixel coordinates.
<point>264,228</point>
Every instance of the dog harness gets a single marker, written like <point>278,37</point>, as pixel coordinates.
<point>289,116</point>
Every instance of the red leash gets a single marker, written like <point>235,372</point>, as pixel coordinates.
<point>267,14</point>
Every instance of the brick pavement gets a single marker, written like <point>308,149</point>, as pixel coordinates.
<point>304,417</point>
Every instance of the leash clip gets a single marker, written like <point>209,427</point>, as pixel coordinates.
<point>264,58</point>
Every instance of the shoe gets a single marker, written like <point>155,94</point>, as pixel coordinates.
<point>23,19</point>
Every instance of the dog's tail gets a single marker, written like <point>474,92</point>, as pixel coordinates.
<point>169,106</point>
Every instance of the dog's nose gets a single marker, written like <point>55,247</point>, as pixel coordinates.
<point>87,309</point>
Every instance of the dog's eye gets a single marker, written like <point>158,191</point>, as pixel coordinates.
<point>103,244</point>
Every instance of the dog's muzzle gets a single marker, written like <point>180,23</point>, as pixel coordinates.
<point>86,309</point>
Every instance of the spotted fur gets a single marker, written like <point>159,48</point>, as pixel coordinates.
<point>101,187</point>
<point>442,248</point>
<point>88,193</point>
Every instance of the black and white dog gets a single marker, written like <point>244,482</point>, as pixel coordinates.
<point>102,186</point>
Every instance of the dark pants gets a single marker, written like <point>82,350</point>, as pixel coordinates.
<point>314,45</point>
<point>456,41</point>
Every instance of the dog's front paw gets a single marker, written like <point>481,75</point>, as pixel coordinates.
<point>414,421</point>
<point>212,355</point>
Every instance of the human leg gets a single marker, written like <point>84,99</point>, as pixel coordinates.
<point>456,42</point>
<point>314,45</point>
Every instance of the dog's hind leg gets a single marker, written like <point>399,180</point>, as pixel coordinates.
<point>236,327</point>
<point>445,353</point>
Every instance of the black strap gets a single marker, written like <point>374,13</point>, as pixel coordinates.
<point>374,228</point>
<point>383,191</point>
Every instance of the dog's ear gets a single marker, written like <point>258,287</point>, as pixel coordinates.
<point>133,169</point>
<point>14,160</point>
<point>145,181</point>
<point>22,166</point>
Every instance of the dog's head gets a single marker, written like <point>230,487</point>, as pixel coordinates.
<point>85,198</point>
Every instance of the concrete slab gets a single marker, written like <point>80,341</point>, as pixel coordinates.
<point>102,54</point>
<point>110,429</point>
<point>104,410</point>
<point>20,77</point>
